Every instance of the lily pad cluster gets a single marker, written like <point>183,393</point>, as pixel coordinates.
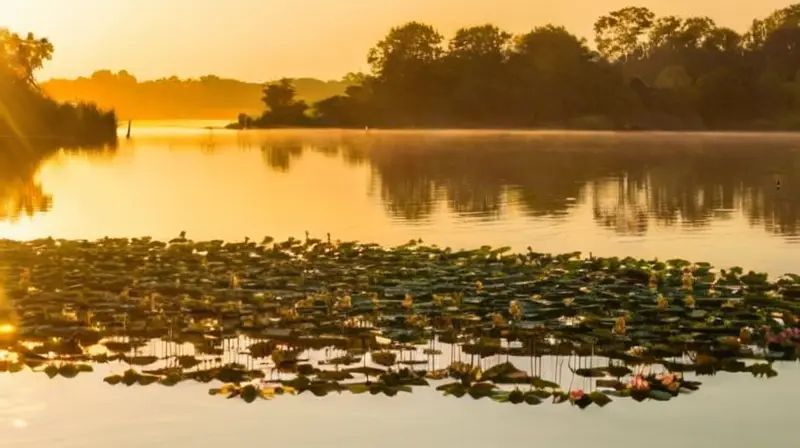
<point>63,297</point>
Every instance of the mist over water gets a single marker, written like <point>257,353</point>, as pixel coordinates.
<point>730,199</point>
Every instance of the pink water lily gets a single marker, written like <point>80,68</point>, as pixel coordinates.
<point>787,335</point>
<point>667,378</point>
<point>576,394</point>
<point>639,383</point>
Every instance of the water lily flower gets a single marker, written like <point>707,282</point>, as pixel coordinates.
<point>772,294</point>
<point>666,378</point>
<point>515,309</point>
<point>375,300</point>
<point>653,284</point>
<point>744,335</point>
<point>786,335</point>
<point>620,326</point>
<point>731,303</point>
<point>153,297</point>
<point>637,351</point>
<point>689,301</point>
<point>688,280</point>
<point>638,383</point>
<point>576,394</point>
<point>344,303</point>
<point>498,319</point>
<point>416,320</point>
<point>662,302</point>
<point>408,302</point>
<point>479,286</point>
<point>24,277</point>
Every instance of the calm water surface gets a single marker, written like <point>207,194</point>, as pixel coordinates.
<point>730,199</point>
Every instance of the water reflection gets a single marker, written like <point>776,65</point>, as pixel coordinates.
<point>632,181</point>
<point>696,196</point>
<point>21,192</point>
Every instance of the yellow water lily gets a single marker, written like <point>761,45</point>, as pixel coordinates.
<point>408,302</point>
<point>373,296</point>
<point>620,326</point>
<point>662,302</point>
<point>498,319</point>
<point>289,390</point>
<point>344,303</point>
<point>653,284</point>
<point>266,393</point>
<point>437,374</point>
<point>416,320</point>
<point>227,389</point>
<point>515,309</point>
<point>153,297</point>
<point>731,303</point>
<point>687,280</point>
<point>308,302</point>
<point>24,277</point>
<point>744,335</point>
<point>288,313</point>
<point>689,301</point>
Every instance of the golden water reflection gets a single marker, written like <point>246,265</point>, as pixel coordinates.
<point>714,196</point>
<point>20,193</point>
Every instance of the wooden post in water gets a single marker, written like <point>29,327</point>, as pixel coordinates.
<point>128,135</point>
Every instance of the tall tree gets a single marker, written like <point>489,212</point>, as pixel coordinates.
<point>620,33</point>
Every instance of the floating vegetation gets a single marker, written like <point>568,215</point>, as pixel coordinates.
<point>261,320</point>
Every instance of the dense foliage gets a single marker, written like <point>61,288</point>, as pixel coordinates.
<point>28,116</point>
<point>647,72</point>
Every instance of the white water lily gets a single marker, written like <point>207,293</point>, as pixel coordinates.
<point>637,350</point>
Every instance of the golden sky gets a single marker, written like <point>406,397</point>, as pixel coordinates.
<point>260,40</point>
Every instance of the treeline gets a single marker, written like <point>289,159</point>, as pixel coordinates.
<point>647,72</point>
<point>32,121</point>
<point>209,97</point>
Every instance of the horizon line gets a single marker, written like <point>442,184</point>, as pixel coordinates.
<point>187,78</point>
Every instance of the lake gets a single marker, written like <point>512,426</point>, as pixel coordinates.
<point>729,199</point>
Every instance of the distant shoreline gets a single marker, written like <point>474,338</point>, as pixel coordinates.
<point>203,124</point>
<point>533,129</point>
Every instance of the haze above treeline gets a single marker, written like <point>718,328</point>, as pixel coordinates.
<point>648,72</point>
<point>209,97</point>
